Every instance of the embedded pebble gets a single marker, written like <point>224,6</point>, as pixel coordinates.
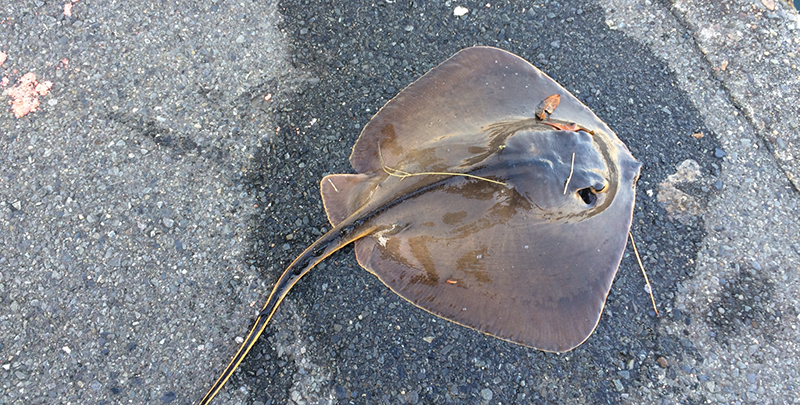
<point>486,394</point>
<point>618,385</point>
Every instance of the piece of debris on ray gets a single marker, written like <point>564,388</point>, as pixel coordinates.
<point>467,202</point>
<point>547,106</point>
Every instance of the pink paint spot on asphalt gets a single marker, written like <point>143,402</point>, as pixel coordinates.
<point>25,95</point>
<point>68,8</point>
<point>3,57</point>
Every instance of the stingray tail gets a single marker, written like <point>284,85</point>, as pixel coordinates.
<point>329,243</point>
<point>252,337</point>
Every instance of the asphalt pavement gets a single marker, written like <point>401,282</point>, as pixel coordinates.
<point>171,173</point>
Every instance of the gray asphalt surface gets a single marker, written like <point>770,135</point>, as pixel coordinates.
<point>172,173</point>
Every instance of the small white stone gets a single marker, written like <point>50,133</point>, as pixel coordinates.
<point>66,349</point>
<point>460,11</point>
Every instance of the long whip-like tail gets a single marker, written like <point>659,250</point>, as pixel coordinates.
<point>329,243</point>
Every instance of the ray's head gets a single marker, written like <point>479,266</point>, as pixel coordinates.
<point>565,175</point>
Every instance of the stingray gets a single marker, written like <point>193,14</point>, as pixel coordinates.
<point>486,194</point>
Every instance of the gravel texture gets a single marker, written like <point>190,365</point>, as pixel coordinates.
<point>124,209</point>
<point>753,50</point>
<point>745,289</point>
<point>172,173</point>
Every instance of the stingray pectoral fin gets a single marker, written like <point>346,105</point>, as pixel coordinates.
<point>326,245</point>
<point>475,88</point>
<point>477,255</point>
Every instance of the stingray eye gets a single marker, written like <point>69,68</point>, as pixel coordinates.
<point>587,195</point>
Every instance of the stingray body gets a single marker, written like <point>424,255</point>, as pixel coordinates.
<point>510,214</point>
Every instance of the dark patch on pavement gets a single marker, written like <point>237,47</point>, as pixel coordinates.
<point>364,53</point>
<point>160,135</point>
<point>743,304</point>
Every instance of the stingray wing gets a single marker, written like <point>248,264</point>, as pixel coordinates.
<point>476,87</point>
<point>526,282</point>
